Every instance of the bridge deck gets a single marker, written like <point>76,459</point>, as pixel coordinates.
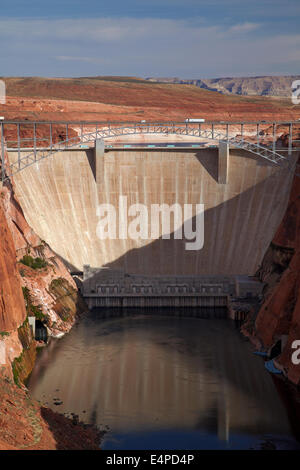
<point>43,139</point>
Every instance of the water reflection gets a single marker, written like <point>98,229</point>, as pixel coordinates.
<point>155,379</point>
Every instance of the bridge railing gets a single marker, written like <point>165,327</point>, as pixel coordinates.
<point>34,141</point>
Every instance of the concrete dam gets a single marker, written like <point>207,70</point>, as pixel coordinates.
<point>243,195</point>
<point>60,197</point>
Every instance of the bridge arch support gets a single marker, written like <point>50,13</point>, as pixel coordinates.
<point>100,135</point>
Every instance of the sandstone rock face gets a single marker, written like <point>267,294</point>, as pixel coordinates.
<point>23,424</point>
<point>280,311</point>
<point>12,306</point>
<point>54,293</point>
<point>23,364</point>
<point>38,282</point>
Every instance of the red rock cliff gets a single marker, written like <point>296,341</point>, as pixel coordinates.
<point>23,424</point>
<point>280,312</point>
<point>12,306</point>
<point>44,285</point>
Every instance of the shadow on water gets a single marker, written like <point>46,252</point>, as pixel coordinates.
<point>186,312</point>
<point>162,382</point>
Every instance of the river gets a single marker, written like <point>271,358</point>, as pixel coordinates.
<point>162,382</point>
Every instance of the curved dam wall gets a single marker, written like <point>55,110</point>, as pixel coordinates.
<point>60,196</point>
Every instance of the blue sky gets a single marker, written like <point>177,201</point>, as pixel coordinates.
<point>187,38</point>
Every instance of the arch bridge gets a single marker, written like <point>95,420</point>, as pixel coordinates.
<point>35,141</point>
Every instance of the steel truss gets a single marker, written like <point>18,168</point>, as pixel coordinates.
<point>188,129</point>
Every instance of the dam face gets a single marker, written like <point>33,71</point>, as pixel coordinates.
<point>60,196</point>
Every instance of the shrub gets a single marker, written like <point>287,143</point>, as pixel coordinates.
<point>26,295</point>
<point>34,263</point>
<point>58,282</point>
<point>15,370</point>
<point>4,333</point>
<point>37,312</point>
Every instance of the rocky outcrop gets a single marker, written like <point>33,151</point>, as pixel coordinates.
<point>24,425</point>
<point>51,297</point>
<point>38,282</point>
<point>280,270</point>
<point>23,364</point>
<point>67,301</point>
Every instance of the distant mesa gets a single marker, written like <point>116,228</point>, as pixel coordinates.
<point>262,86</point>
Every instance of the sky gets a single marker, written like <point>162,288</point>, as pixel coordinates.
<point>149,38</point>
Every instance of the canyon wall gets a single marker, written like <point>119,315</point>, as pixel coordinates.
<point>12,306</point>
<point>60,196</point>
<point>280,270</point>
<point>42,283</point>
<point>55,300</point>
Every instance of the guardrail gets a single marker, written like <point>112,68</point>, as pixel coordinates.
<point>42,139</point>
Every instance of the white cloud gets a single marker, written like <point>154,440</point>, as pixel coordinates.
<point>244,27</point>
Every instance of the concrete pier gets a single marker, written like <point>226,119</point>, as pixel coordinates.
<point>99,160</point>
<point>223,163</point>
